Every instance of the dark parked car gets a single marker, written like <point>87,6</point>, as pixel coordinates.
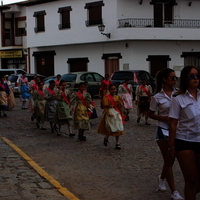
<point>74,78</point>
<point>135,76</point>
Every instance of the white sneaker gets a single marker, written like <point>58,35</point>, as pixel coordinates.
<point>161,184</point>
<point>176,196</point>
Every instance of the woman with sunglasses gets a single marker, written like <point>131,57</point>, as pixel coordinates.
<point>166,81</point>
<point>184,130</point>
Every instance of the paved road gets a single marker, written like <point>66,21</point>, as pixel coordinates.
<point>88,169</point>
<point>19,181</point>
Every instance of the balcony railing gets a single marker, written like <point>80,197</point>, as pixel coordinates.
<point>175,23</point>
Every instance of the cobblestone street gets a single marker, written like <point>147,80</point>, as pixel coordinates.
<point>87,169</point>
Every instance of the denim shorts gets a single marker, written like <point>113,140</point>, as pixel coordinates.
<point>182,145</point>
<point>160,135</point>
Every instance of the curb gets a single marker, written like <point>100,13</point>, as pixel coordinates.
<point>64,191</point>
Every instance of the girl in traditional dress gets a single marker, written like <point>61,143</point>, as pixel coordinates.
<point>125,91</point>
<point>51,103</point>
<point>39,105</point>
<point>92,114</point>
<point>24,90</point>
<point>11,97</point>
<point>104,86</point>
<point>33,87</point>
<point>34,81</point>
<point>64,109</point>
<point>57,81</point>
<point>143,96</point>
<point>4,93</point>
<point>82,102</point>
<point>112,120</point>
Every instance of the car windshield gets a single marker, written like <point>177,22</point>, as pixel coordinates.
<point>12,78</point>
<point>69,77</point>
<point>123,75</point>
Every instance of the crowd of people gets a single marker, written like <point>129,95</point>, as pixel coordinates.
<point>177,111</point>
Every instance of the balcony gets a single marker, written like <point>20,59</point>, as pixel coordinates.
<point>175,23</point>
<point>17,41</point>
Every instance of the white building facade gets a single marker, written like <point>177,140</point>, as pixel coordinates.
<point>63,36</point>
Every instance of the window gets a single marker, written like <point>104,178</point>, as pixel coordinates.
<point>163,12</point>
<point>7,33</point>
<point>64,17</point>
<point>20,24</point>
<point>87,77</point>
<point>98,78</point>
<point>94,13</point>
<point>69,77</point>
<point>191,58</point>
<point>39,21</point>
<point>78,64</point>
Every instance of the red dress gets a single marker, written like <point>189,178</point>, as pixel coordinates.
<point>104,88</point>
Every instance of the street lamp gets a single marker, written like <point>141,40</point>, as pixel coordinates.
<point>101,28</point>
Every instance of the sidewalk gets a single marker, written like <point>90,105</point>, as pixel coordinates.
<point>19,181</point>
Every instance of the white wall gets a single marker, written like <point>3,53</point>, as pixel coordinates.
<point>135,54</point>
<point>81,41</point>
<point>111,12</point>
<point>188,12</point>
<point>78,33</point>
<point>132,9</point>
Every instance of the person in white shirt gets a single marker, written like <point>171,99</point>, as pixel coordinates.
<point>159,110</point>
<point>184,130</point>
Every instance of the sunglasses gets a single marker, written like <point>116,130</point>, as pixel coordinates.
<point>193,76</point>
<point>174,78</point>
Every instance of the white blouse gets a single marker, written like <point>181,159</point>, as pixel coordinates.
<point>161,102</point>
<point>185,108</point>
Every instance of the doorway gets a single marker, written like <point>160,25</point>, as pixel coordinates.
<point>111,63</point>
<point>157,63</point>
<point>44,61</point>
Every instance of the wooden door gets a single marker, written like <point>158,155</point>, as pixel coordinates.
<point>111,65</point>
<point>157,65</point>
<point>45,64</point>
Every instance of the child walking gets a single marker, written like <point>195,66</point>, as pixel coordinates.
<point>82,102</point>
<point>24,90</point>
<point>51,103</point>
<point>112,120</point>
<point>39,105</point>
<point>64,110</point>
